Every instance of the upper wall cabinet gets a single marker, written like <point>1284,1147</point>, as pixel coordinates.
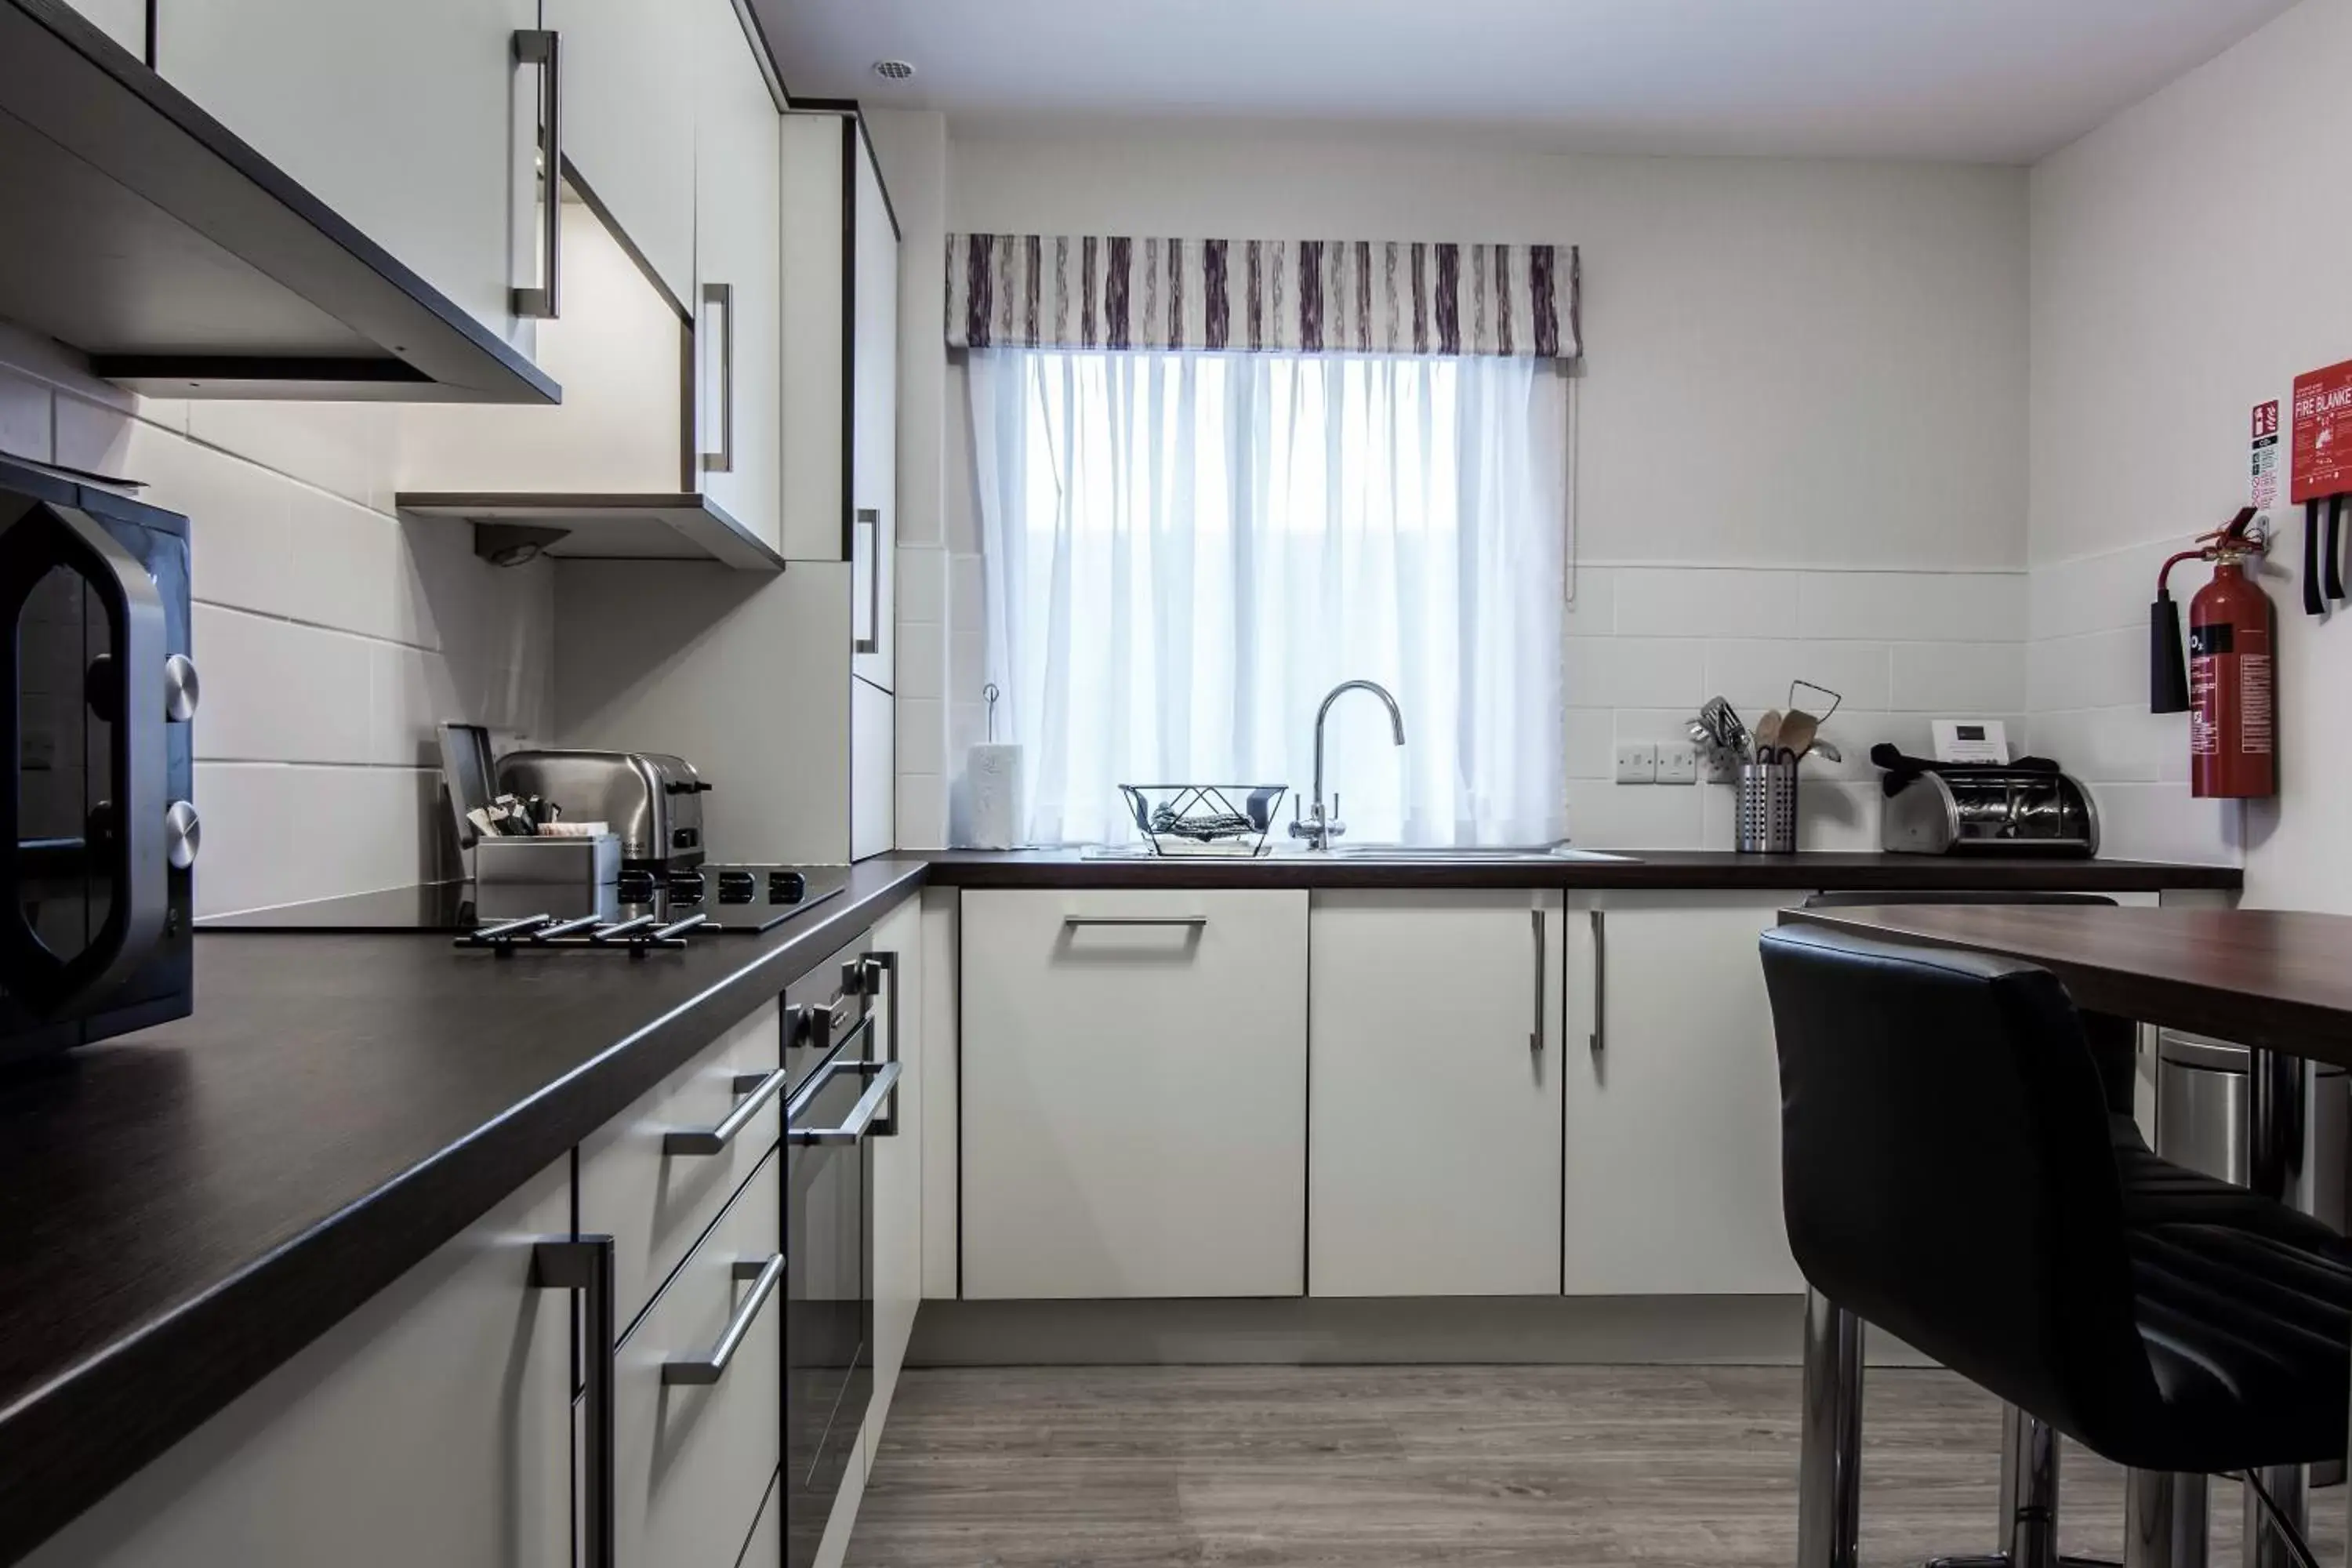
<point>309,200</point>
<point>738,287</point>
<point>666,444</point>
<point>629,96</point>
<point>416,123</point>
<point>841,247</point>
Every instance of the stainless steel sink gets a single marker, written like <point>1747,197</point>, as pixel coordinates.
<point>1455,854</point>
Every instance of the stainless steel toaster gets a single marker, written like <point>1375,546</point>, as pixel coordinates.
<point>1985,810</point>
<point>651,800</point>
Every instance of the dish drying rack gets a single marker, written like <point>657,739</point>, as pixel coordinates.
<point>636,937</point>
<point>1204,820</point>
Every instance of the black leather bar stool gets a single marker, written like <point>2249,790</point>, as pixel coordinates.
<point>1950,1174</point>
<point>2155,1190</point>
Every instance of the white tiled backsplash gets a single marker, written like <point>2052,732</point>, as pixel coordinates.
<point>332,635</point>
<point>1646,646</point>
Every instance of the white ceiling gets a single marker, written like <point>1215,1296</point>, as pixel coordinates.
<point>1996,80</point>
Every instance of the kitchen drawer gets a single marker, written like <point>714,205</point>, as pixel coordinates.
<point>693,1460</point>
<point>655,1201</point>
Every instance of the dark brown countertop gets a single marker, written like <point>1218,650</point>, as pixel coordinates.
<point>182,1209</point>
<point>1651,868</point>
<point>185,1208</point>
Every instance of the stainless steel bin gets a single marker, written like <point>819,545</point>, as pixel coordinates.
<point>2201,1120</point>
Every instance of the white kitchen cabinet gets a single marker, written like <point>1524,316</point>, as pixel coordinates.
<point>874,431</point>
<point>840,327</point>
<point>124,21</point>
<point>415,123</point>
<point>1134,1105</point>
<point>1672,1168</point>
<point>656,1197</point>
<point>434,1425</point>
<point>738,266</point>
<point>630,92</point>
<point>1434,1069</point>
<point>895,1199</point>
<point>872,770</point>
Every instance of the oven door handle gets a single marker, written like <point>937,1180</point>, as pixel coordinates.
<point>859,1123</point>
<point>137,834</point>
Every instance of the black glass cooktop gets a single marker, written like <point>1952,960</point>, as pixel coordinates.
<point>735,899</point>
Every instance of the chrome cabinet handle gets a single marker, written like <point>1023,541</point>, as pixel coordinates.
<point>585,1265</point>
<point>1536,1035</point>
<point>757,1088</point>
<point>765,1276</point>
<point>871,520</point>
<point>1600,982</point>
<point>1187,923</point>
<point>722,295</point>
<point>543,47</point>
<point>859,1123</point>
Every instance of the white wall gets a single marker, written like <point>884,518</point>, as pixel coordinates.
<point>2188,261</point>
<point>332,636</point>
<point>1807,376</point>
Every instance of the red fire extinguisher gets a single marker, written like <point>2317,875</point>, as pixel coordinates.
<point>2226,687</point>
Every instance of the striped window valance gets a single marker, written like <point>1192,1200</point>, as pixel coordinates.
<point>1280,296</point>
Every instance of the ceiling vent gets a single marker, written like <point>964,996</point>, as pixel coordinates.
<point>893,71</point>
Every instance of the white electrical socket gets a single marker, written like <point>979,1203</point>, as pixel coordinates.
<point>1637,761</point>
<point>1722,768</point>
<point>1677,762</point>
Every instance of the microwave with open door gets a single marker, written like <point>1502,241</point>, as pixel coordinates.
<point>99,862</point>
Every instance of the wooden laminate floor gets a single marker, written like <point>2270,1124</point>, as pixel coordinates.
<point>1385,1467</point>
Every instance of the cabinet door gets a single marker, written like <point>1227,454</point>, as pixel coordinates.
<point>434,1425</point>
<point>872,770</point>
<point>874,427</point>
<point>414,121</point>
<point>1134,1110</point>
<point>818,148</point>
<point>1434,1071</point>
<point>1673,1151</point>
<point>739,347</point>
<point>629,96</point>
<point>897,1198</point>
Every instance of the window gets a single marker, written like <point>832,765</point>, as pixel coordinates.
<point>1186,552</point>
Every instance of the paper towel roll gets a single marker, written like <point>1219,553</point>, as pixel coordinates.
<point>995,775</point>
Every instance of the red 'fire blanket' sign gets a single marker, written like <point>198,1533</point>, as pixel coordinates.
<point>2323,433</point>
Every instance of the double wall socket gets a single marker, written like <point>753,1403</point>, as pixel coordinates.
<point>1654,762</point>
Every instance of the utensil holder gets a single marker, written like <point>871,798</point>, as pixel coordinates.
<point>1766,818</point>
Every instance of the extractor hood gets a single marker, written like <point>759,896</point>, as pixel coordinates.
<point>514,526</point>
<point>184,264</point>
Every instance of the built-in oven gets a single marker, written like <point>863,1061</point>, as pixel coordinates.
<point>842,1083</point>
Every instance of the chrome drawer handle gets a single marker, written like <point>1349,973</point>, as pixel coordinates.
<point>1187,923</point>
<point>766,1276</point>
<point>860,1120</point>
<point>762,1087</point>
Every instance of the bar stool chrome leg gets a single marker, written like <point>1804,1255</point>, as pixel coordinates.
<point>1829,1466</point>
<point>2027,1527</point>
<point>2164,1520</point>
<point>2266,1544</point>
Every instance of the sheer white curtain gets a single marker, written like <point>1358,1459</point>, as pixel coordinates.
<point>1185,551</point>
